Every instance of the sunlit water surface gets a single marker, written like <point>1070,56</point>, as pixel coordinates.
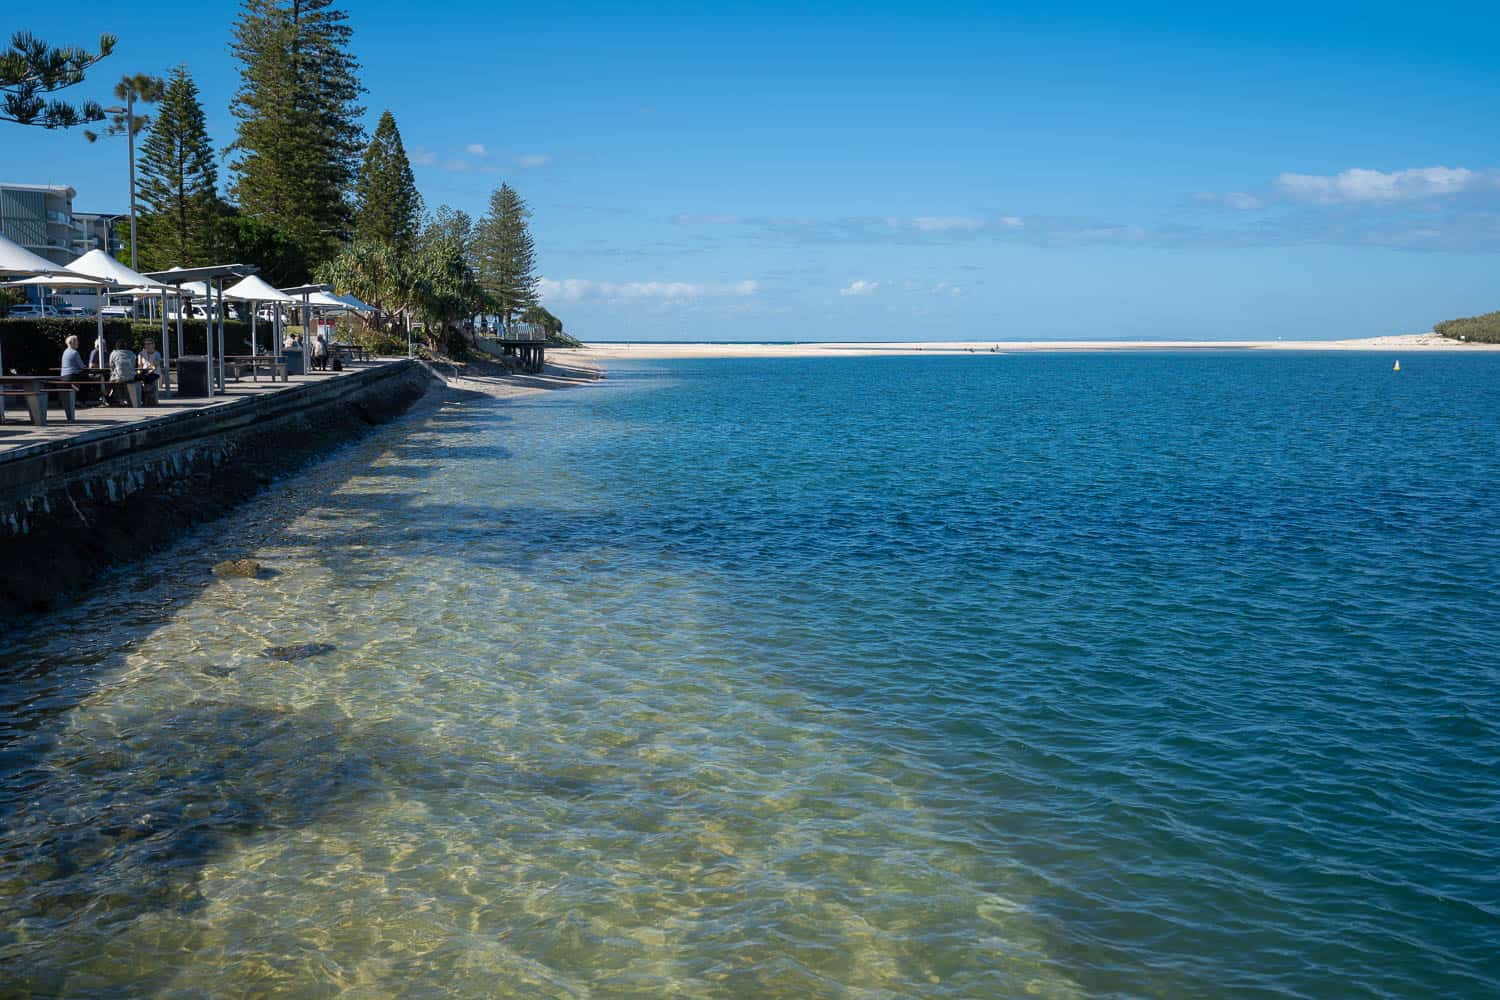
<point>1080,675</point>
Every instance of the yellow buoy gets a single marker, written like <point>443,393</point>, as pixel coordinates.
<point>1397,368</point>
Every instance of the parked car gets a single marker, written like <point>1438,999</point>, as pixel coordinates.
<point>30,310</point>
<point>72,311</point>
<point>119,312</point>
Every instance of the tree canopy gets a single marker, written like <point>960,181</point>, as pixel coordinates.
<point>178,183</point>
<point>135,88</point>
<point>30,69</point>
<point>299,135</point>
<point>387,206</point>
<point>506,254</point>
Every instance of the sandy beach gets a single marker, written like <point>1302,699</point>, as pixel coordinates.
<point>621,351</point>
<point>564,370</point>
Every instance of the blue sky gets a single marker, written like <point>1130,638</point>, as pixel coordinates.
<point>878,172</point>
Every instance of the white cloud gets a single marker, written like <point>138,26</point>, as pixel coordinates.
<point>574,289</point>
<point>533,160</point>
<point>1011,222</point>
<point>1361,185</point>
<point>947,288</point>
<point>457,166</point>
<point>946,223</point>
<point>860,287</point>
<point>476,149</point>
<point>566,290</point>
<point>423,157</point>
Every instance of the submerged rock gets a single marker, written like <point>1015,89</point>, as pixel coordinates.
<point>237,567</point>
<point>301,651</point>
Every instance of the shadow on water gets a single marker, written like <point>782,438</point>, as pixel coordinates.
<point>111,811</point>
<point>122,817</point>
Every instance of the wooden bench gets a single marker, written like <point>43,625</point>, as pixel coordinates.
<point>36,404</point>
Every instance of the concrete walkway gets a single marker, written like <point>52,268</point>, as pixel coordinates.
<point>17,433</point>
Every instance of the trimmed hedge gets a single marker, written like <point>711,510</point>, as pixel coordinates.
<point>35,346</point>
<point>1484,329</point>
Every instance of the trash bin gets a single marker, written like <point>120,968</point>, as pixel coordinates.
<point>293,361</point>
<point>192,375</point>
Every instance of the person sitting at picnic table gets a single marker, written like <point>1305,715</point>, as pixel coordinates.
<point>72,361</point>
<point>72,368</point>
<point>149,368</point>
<point>121,368</point>
<point>97,358</point>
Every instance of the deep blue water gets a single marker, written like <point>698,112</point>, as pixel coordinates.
<point>1105,675</point>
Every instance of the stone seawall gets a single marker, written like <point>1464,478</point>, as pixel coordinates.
<point>73,507</point>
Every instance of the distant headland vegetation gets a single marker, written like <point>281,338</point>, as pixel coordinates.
<point>1484,329</point>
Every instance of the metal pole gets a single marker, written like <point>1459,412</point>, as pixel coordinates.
<point>217,289</point>
<point>166,347</point>
<point>130,141</point>
<point>306,325</point>
<point>254,365</point>
<point>208,342</point>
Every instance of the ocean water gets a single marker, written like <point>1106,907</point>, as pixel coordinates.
<point>1079,675</point>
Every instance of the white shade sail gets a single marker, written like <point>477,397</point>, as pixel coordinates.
<point>324,300</point>
<point>98,264</point>
<point>17,260</point>
<point>254,289</point>
<point>64,280</point>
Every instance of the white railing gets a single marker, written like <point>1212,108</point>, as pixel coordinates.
<point>520,331</point>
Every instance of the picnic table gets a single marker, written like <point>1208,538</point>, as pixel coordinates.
<point>101,377</point>
<point>273,362</point>
<point>353,350</point>
<point>35,389</point>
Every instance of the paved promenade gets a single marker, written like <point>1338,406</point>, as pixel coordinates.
<point>17,433</point>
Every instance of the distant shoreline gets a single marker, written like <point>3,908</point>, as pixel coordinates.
<point>604,351</point>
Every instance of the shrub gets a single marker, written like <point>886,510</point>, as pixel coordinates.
<point>1484,329</point>
<point>35,346</point>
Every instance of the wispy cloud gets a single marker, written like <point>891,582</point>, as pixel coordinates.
<point>859,287</point>
<point>1361,185</point>
<point>530,160</point>
<point>423,157</point>
<point>690,219</point>
<point>476,149</point>
<point>946,223</point>
<point>576,289</point>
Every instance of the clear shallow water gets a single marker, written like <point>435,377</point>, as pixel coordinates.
<point>1080,675</point>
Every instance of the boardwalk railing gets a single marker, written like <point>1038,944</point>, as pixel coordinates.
<point>525,332</point>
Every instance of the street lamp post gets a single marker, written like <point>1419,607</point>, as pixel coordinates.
<point>129,111</point>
